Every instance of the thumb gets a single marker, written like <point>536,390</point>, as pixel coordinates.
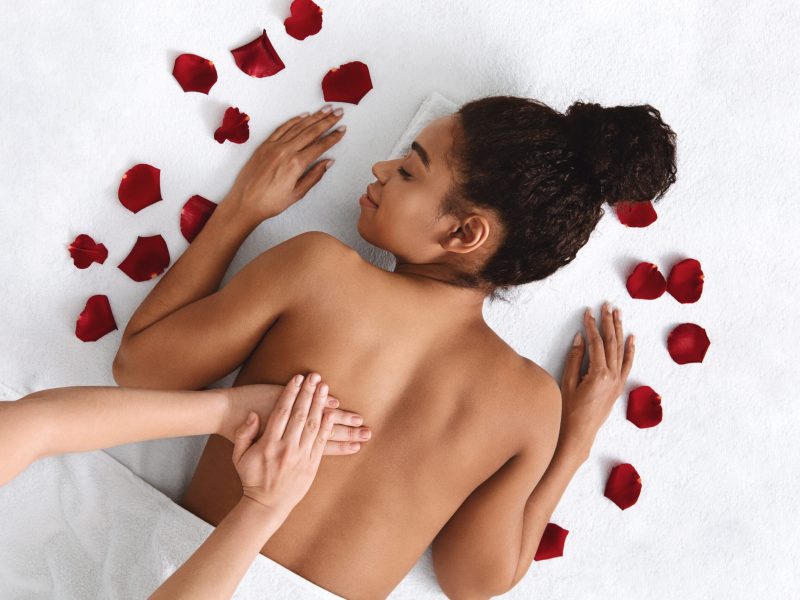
<point>569,380</point>
<point>314,174</point>
<point>243,436</point>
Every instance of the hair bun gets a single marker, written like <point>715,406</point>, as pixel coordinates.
<point>624,152</point>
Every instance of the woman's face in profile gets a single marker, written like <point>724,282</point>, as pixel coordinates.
<point>408,192</point>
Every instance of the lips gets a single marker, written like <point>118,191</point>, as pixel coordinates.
<point>369,196</point>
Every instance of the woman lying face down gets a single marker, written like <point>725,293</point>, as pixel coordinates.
<point>473,444</point>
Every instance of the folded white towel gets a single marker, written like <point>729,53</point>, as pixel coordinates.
<point>84,526</point>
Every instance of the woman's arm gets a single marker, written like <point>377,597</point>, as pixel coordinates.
<point>77,419</point>
<point>175,316</point>
<point>276,472</point>
<point>488,544</point>
<point>587,405</point>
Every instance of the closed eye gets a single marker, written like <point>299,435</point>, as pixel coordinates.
<point>403,173</point>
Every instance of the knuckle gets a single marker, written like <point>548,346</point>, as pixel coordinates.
<point>312,425</point>
<point>300,417</point>
<point>283,411</point>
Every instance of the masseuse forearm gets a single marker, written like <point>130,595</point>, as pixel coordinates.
<point>543,501</point>
<point>77,419</point>
<point>218,565</point>
<point>199,270</point>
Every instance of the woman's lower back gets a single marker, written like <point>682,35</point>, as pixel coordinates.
<point>430,389</point>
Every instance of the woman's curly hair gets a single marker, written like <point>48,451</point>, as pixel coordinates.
<point>545,175</point>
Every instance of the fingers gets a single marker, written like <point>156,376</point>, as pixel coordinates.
<point>349,433</point>
<point>597,355</point>
<point>310,178</point>
<point>618,334</point>
<point>276,422</point>
<point>314,421</point>
<point>569,380</point>
<point>324,115</point>
<point>321,441</point>
<point>244,436</point>
<point>302,406</point>
<point>627,361</point>
<point>333,448</point>
<point>609,337</point>
<point>313,131</point>
<point>282,129</point>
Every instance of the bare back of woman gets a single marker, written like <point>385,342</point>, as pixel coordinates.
<point>448,403</point>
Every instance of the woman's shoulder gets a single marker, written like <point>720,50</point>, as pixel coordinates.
<point>321,242</point>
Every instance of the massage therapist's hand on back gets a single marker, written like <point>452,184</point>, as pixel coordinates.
<point>274,177</point>
<point>276,471</point>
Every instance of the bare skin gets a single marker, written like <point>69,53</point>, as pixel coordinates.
<point>405,349</point>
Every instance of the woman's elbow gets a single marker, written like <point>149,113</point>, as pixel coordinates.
<point>125,368</point>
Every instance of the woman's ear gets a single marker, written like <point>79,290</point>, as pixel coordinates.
<point>470,235</point>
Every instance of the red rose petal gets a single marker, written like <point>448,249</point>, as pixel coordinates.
<point>95,320</point>
<point>623,486</point>
<point>646,282</point>
<point>234,127</point>
<point>194,73</point>
<point>147,259</point>
<point>644,407</point>
<point>258,58</point>
<point>194,215</point>
<point>687,343</point>
<point>552,543</point>
<point>140,187</point>
<point>306,19</point>
<point>685,281</point>
<point>346,83</point>
<point>84,251</point>
<point>635,213</point>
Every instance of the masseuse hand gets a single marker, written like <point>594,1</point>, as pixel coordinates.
<point>262,398</point>
<point>277,469</point>
<point>273,179</point>
<point>587,402</point>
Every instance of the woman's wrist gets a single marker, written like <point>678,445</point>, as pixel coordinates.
<point>573,449</point>
<point>235,212</point>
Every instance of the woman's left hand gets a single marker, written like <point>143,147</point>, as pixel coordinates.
<point>273,179</point>
<point>587,399</point>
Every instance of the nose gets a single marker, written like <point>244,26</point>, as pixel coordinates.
<point>381,169</point>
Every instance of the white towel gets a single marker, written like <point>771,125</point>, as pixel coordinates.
<point>82,526</point>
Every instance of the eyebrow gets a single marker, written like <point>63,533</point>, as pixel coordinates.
<point>423,154</point>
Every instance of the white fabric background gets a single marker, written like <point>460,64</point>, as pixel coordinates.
<point>88,92</point>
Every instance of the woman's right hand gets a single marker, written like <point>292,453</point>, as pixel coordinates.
<point>587,404</point>
<point>277,470</point>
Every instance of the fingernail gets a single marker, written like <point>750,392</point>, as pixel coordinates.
<point>326,109</point>
<point>314,379</point>
<point>357,420</point>
<point>338,111</point>
<point>577,339</point>
<point>342,128</point>
<point>305,114</point>
<point>298,379</point>
<point>329,163</point>
<point>332,402</point>
<point>355,445</point>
